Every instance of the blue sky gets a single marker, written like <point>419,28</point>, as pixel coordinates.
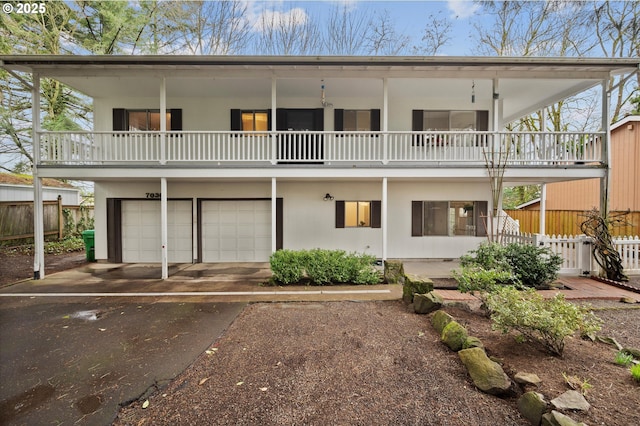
<point>410,16</point>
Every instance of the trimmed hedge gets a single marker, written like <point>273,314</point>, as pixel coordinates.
<point>323,267</point>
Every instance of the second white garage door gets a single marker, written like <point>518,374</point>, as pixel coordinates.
<point>236,231</point>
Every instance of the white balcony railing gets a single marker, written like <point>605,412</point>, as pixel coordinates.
<point>544,148</point>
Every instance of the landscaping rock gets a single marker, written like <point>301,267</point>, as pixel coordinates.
<point>454,335</point>
<point>487,375</point>
<point>571,400</point>
<point>555,418</point>
<point>628,300</point>
<point>440,320</point>
<point>393,272</point>
<point>426,303</point>
<point>472,342</point>
<point>532,406</point>
<point>527,379</point>
<point>415,284</point>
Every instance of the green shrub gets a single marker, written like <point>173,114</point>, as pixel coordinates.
<point>635,372</point>
<point>623,358</point>
<point>530,265</point>
<point>476,278</point>
<point>323,267</point>
<point>548,322</point>
<point>487,256</point>
<point>533,266</point>
<point>287,266</point>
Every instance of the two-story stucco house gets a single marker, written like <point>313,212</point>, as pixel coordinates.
<point>220,158</point>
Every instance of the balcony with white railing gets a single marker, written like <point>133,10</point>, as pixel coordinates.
<point>224,148</point>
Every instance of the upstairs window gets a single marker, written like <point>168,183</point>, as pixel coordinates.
<point>255,121</point>
<point>357,120</point>
<point>449,120</point>
<point>145,119</point>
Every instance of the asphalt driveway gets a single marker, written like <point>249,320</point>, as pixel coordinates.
<point>73,361</point>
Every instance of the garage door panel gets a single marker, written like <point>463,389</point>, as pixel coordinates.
<point>236,230</point>
<point>141,240</point>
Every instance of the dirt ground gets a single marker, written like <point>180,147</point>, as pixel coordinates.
<point>18,267</point>
<point>357,363</point>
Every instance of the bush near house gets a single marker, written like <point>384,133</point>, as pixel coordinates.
<point>323,267</point>
<point>530,265</point>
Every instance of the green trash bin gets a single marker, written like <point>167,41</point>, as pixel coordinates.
<point>89,245</point>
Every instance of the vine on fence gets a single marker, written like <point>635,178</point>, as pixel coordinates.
<point>598,227</point>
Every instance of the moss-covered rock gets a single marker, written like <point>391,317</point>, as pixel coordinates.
<point>487,375</point>
<point>426,303</point>
<point>415,284</point>
<point>454,335</point>
<point>393,272</point>
<point>439,320</point>
<point>472,342</point>
<point>532,406</point>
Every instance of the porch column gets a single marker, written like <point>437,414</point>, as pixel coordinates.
<point>383,218</point>
<point>543,209</point>
<point>38,209</point>
<point>163,228</point>
<point>273,125</point>
<point>274,229</point>
<point>605,184</point>
<point>385,120</point>
<point>163,120</point>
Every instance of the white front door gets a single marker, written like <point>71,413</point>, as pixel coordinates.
<point>141,231</point>
<point>236,231</point>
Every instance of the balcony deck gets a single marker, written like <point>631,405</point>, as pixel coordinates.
<point>273,149</point>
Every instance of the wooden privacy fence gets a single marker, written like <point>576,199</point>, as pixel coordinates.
<point>567,222</point>
<point>577,251</point>
<point>16,218</point>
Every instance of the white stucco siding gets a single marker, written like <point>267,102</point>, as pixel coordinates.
<point>211,114</point>
<point>310,222</point>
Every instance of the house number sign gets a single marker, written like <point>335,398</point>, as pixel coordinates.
<point>153,195</point>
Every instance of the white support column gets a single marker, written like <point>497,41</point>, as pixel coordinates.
<point>38,209</point>
<point>163,228</point>
<point>274,228</point>
<point>385,120</point>
<point>383,218</point>
<point>273,124</point>
<point>543,209</point>
<point>605,182</point>
<point>163,120</point>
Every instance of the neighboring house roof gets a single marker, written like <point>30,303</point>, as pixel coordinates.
<point>13,179</point>
<point>628,119</point>
<point>528,203</point>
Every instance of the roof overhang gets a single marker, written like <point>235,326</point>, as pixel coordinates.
<point>524,84</point>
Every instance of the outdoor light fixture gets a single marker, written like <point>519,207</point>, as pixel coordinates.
<point>473,91</point>
<point>328,197</point>
<point>323,100</point>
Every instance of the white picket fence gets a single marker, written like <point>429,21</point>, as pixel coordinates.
<point>577,251</point>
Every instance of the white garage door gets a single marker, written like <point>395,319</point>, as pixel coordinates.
<point>141,231</point>
<point>236,231</point>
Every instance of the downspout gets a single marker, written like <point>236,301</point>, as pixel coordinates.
<point>38,209</point>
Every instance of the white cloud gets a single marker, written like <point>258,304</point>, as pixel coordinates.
<point>462,8</point>
<point>259,13</point>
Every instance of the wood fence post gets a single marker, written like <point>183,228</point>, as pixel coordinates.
<point>60,219</point>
